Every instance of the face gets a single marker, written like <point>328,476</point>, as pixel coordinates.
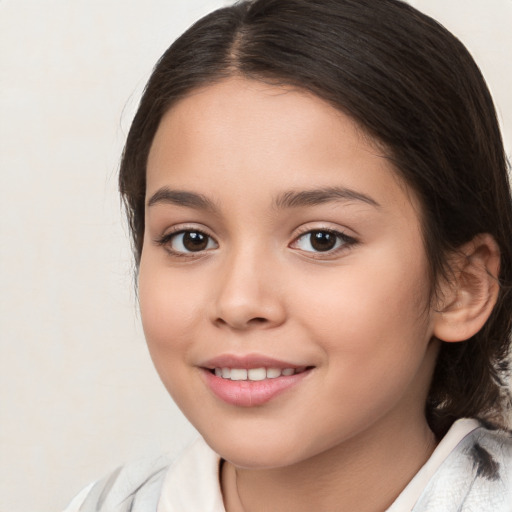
<point>283,280</point>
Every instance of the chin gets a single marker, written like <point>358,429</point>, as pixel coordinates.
<point>255,452</point>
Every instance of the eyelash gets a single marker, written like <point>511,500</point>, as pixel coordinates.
<point>165,241</point>
<point>342,242</point>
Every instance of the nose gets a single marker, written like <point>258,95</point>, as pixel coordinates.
<point>247,295</point>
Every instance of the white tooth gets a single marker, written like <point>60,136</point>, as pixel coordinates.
<point>257,374</point>
<point>273,373</point>
<point>218,372</point>
<point>226,373</point>
<point>238,374</point>
<point>288,371</point>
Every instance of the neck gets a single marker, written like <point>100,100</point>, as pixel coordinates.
<point>365,473</point>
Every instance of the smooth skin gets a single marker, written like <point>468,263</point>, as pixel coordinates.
<point>231,267</point>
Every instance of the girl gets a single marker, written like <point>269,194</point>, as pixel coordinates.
<point>321,219</point>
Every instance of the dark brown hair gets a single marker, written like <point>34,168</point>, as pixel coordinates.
<point>414,88</point>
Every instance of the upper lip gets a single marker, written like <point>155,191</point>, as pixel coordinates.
<point>247,361</point>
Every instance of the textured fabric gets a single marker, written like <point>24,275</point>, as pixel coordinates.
<point>475,475</point>
<point>131,488</point>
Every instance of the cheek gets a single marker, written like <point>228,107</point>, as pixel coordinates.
<point>375,336</point>
<point>168,309</point>
<point>374,309</point>
<point>169,318</point>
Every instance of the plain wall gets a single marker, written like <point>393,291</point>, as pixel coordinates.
<point>78,393</point>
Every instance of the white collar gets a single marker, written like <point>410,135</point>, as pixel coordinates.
<point>192,482</point>
<point>410,495</point>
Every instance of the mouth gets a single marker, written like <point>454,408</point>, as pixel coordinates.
<point>251,380</point>
<point>256,374</point>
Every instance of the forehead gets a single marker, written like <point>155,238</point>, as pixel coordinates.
<point>209,115</point>
<point>243,135</point>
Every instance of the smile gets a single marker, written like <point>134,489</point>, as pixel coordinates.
<point>251,381</point>
<point>255,374</point>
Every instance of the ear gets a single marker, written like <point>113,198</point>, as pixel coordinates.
<point>467,300</point>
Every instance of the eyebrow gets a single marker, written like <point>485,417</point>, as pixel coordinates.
<point>289,199</point>
<point>296,199</point>
<point>165,195</point>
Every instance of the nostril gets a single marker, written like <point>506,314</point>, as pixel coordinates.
<point>258,320</point>
<point>252,322</point>
<point>241,319</point>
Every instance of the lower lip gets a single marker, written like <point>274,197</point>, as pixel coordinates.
<point>247,393</point>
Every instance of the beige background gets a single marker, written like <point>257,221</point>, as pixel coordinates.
<point>78,393</point>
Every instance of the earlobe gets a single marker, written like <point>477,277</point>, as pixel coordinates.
<point>468,299</point>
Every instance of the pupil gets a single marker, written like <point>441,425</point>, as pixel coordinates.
<point>194,241</point>
<point>322,240</point>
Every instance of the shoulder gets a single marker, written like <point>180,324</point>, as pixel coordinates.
<point>133,487</point>
<point>477,475</point>
<point>491,453</point>
<point>188,482</point>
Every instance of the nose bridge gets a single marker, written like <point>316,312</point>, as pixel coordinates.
<point>246,294</point>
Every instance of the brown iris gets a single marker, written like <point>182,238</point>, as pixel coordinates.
<point>195,241</point>
<point>322,240</point>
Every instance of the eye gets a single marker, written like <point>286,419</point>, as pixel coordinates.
<point>322,240</point>
<point>187,241</point>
